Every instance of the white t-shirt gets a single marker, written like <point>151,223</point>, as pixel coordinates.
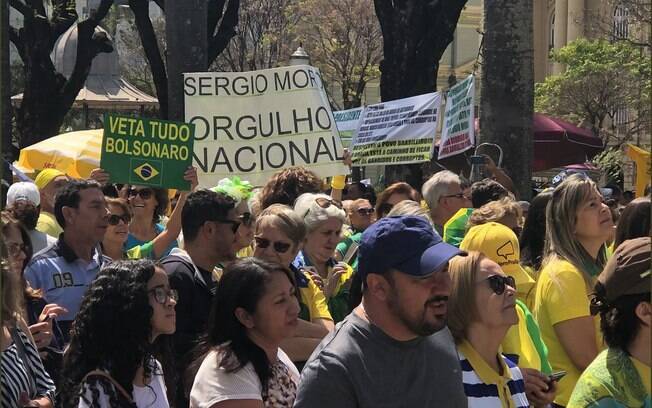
<point>152,395</point>
<point>213,384</point>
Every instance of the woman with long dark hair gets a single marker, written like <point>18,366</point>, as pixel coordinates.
<point>534,233</point>
<point>241,364</point>
<point>123,318</point>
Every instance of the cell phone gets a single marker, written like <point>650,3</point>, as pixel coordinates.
<point>556,376</point>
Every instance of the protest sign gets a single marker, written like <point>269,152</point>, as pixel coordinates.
<point>146,152</point>
<point>347,123</point>
<point>397,132</point>
<point>252,124</point>
<point>457,134</point>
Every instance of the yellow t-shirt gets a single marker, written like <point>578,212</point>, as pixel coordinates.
<point>48,224</point>
<point>561,295</point>
<point>644,371</point>
<point>314,299</point>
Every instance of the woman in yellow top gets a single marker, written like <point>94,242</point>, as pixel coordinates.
<point>324,218</point>
<point>578,225</point>
<point>278,236</point>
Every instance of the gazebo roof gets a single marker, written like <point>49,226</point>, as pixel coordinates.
<point>104,87</point>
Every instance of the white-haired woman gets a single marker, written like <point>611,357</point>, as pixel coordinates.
<point>578,224</point>
<point>324,218</point>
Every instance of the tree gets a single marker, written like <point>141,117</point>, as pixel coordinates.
<point>221,21</point>
<point>415,36</point>
<point>606,86</point>
<point>622,20</point>
<point>506,107</point>
<point>48,95</point>
<point>265,35</point>
<point>344,41</point>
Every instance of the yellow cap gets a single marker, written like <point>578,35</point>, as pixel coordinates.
<point>499,243</point>
<point>46,176</point>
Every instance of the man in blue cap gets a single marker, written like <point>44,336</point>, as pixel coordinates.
<point>391,350</point>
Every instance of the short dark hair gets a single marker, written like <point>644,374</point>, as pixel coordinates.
<point>485,191</point>
<point>618,320</point>
<point>69,196</point>
<point>201,206</point>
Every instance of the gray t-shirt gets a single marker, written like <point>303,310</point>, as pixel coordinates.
<point>358,365</point>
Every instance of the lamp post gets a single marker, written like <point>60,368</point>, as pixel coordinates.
<point>299,57</point>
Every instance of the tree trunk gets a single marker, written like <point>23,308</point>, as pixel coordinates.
<point>415,36</point>
<point>5,99</point>
<point>508,87</point>
<point>185,32</point>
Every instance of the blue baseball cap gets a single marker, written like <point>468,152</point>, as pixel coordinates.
<point>408,244</point>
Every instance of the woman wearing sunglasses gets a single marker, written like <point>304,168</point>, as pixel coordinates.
<point>122,324</point>
<point>278,237</point>
<point>241,192</point>
<point>393,195</point>
<point>578,224</point>
<point>481,308</point>
<point>116,238</point>
<point>324,219</point>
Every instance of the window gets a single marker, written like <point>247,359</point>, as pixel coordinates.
<point>551,37</point>
<point>621,22</point>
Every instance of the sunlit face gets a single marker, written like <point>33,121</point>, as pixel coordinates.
<point>594,221</point>
<point>320,244</point>
<point>224,235</point>
<point>277,311</point>
<point>361,214</point>
<point>455,199</point>
<point>142,201</point>
<point>420,303</point>
<point>493,309</point>
<point>275,243</point>
<point>245,234</point>
<point>117,233</point>
<point>15,247</point>
<point>49,192</point>
<point>90,218</point>
<point>164,318</point>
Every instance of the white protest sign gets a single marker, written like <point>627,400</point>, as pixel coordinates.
<point>253,124</point>
<point>457,134</point>
<point>347,123</point>
<point>397,132</point>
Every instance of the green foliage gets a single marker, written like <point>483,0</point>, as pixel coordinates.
<point>600,78</point>
<point>610,162</point>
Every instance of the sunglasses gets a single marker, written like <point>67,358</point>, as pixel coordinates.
<point>114,219</point>
<point>235,225</point>
<point>279,247</point>
<point>15,249</point>
<point>497,283</point>
<point>247,219</point>
<point>162,295</point>
<point>145,193</point>
<point>327,202</point>
<point>365,211</point>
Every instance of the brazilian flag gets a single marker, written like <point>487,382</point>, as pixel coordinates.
<point>455,227</point>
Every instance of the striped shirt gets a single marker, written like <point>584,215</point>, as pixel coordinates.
<point>484,387</point>
<point>14,374</point>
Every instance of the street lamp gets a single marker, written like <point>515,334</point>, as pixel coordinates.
<point>299,57</point>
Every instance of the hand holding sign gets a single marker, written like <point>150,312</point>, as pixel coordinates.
<point>190,176</point>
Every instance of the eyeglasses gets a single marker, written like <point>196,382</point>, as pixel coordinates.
<point>162,295</point>
<point>144,193</point>
<point>497,283</point>
<point>458,195</point>
<point>280,247</point>
<point>114,219</point>
<point>234,224</point>
<point>365,211</point>
<point>14,248</point>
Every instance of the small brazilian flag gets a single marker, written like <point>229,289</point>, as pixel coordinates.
<point>145,171</point>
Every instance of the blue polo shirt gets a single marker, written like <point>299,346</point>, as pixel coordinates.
<point>62,276</point>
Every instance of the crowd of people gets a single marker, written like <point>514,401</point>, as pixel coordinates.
<point>308,294</point>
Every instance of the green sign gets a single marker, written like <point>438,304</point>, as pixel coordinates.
<point>147,152</point>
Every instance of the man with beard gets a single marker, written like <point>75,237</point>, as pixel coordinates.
<point>391,350</point>
<point>210,225</point>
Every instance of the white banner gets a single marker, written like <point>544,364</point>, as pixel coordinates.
<point>253,124</point>
<point>347,123</point>
<point>457,134</point>
<point>397,132</point>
